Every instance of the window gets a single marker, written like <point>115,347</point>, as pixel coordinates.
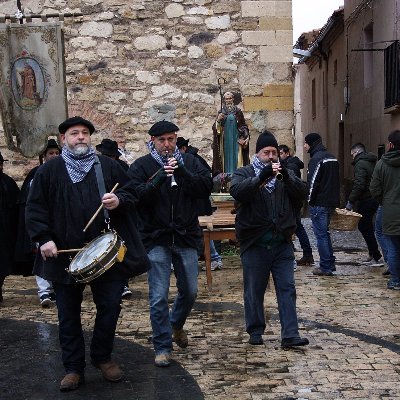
<point>335,72</point>
<point>313,99</point>
<point>392,75</point>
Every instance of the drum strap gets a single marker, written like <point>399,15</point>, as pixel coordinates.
<point>100,183</point>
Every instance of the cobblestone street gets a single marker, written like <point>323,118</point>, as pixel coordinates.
<point>351,320</point>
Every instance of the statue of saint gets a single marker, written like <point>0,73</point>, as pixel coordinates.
<point>230,138</point>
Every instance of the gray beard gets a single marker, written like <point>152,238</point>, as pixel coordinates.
<point>79,150</point>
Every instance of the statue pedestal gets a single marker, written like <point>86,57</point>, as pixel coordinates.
<point>224,203</point>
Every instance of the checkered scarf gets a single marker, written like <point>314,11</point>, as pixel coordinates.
<point>258,166</point>
<point>163,160</point>
<point>78,166</point>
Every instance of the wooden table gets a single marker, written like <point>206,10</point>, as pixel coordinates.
<point>218,226</point>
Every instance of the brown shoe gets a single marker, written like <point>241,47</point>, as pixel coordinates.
<point>180,337</point>
<point>306,261</point>
<point>110,370</point>
<point>71,381</point>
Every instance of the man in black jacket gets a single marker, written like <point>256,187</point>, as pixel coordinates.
<point>265,222</point>
<point>364,164</point>
<point>296,165</point>
<point>169,185</point>
<point>65,193</point>
<point>324,196</point>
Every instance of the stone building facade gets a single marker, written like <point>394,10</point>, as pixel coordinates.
<point>132,62</point>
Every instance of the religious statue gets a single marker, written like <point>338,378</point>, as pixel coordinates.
<point>230,139</point>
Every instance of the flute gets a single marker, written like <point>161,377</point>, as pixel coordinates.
<point>174,185</point>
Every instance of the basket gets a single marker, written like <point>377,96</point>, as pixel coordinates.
<point>344,220</point>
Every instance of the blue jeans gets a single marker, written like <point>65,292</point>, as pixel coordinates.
<point>186,270</point>
<point>258,263</point>
<point>379,233</point>
<point>107,297</point>
<point>320,218</point>
<point>393,256</point>
<point>213,252</point>
<point>301,233</point>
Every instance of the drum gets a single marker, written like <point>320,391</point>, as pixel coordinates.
<point>97,257</point>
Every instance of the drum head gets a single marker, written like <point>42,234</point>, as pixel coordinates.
<point>96,249</point>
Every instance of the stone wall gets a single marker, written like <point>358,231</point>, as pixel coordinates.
<point>130,62</point>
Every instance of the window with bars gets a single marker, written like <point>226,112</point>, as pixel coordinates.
<point>392,75</point>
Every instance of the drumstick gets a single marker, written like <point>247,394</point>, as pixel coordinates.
<point>69,251</point>
<point>98,210</point>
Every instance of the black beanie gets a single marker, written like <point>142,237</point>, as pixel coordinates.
<point>266,139</point>
<point>312,138</point>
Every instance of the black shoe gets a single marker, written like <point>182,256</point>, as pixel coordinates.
<point>256,340</point>
<point>321,272</point>
<point>294,342</point>
<point>52,296</point>
<point>126,293</point>
<point>306,261</point>
<point>45,300</point>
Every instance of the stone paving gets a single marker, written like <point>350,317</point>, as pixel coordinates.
<point>351,320</point>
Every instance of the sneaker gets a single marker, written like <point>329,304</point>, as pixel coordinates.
<point>393,285</point>
<point>215,266</point>
<point>256,339</point>
<point>127,293</point>
<point>367,260</point>
<point>162,360</point>
<point>320,272</point>
<point>52,296</point>
<point>179,336</point>
<point>374,263</point>
<point>306,261</point>
<point>45,300</point>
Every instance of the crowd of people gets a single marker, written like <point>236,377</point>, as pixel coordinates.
<point>151,209</point>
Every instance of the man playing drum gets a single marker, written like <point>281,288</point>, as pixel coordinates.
<point>65,194</point>
<point>169,184</point>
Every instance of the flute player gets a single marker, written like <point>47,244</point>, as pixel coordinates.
<point>168,184</point>
<point>269,196</point>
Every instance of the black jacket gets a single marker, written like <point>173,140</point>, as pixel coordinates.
<point>9,192</point>
<point>258,210</point>
<point>58,210</point>
<point>364,164</point>
<point>294,163</point>
<point>170,215</point>
<point>323,178</point>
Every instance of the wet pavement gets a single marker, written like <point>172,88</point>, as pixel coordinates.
<point>351,320</point>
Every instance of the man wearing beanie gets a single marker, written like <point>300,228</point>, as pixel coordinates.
<point>324,196</point>
<point>169,184</point>
<point>269,197</point>
<point>65,194</point>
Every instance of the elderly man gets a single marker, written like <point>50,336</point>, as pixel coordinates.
<point>385,188</point>
<point>169,184</point>
<point>269,197</point>
<point>65,194</point>
<point>324,196</point>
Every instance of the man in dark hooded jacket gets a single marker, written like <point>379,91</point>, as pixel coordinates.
<point>385,188</point>
<point>296,165</point>
<point>364,164</point>
<point>324,196</point>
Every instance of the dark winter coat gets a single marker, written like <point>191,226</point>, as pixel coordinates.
<point>294,163</point>
<point>385,188</point>
<point>169,215</point>
<point>364,164</point>
<point>259,211</point>
<point>58,210</point>
<point>9,192</point>
<point>323,178</point>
